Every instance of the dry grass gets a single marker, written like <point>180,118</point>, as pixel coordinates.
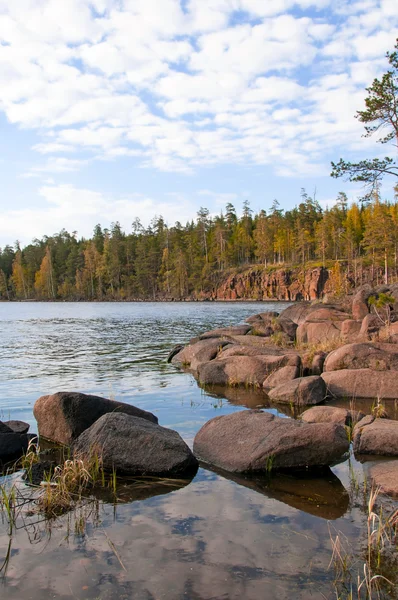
<point>371,581</point>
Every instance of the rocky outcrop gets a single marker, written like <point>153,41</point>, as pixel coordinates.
<point>135,446</point>
<point>252,441</point>
<point>376,437</point>
<point>63,416</point>
<point>300,391</point>
<point>275,284</point>
<point>361,383</point>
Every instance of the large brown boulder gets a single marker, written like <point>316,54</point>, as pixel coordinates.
<point>201,351</point>
<point>288,326</point>
<point>135,446</point>
<point>359,303</point>
<point>280,376</point>
<point>350,330</point>
<point>320,331</point>
<point>255,441</point>
<point>331,414</point>
<point>243,370</point>
<point>376,436</point>
<point>63,416</point>
<point>367,355</point>
<point>300,391</point>
<point>361,383</point>
<point>371,324</point>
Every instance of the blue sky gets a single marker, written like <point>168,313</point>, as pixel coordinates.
<point>116,109</point>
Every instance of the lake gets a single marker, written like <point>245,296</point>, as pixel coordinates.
<point>216,537</point>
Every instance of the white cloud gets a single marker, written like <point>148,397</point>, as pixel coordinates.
<point>63,202</point>
<point>215,82</point>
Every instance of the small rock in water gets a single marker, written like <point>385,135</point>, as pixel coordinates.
<point>135,446</point>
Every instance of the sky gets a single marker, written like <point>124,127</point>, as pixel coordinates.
<point>117,109</point>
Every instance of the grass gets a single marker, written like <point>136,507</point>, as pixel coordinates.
<point>321,346</point>
<point>375,578</point>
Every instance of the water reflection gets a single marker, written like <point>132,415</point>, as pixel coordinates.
<point>316,492</point>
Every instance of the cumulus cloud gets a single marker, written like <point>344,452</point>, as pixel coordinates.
<point>177,85</point>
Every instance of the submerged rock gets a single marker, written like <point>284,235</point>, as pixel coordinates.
<point>303,390</point>
<point>131,445</point>
<point>385,475</point>
<point>63,416</point>
<point>376,436</point>
<point>255,441</point>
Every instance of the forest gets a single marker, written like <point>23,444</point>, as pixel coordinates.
<point>180,262</point>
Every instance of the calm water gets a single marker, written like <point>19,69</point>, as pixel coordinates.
<point>214,538</point>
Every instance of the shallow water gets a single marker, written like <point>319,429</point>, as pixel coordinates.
<point>215,537</point>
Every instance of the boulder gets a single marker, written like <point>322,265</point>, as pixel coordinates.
<point>376,436</point>
<point>263,329</point>
<point>243,370</point>
<point>370,326</point>
<point>4,428</point>
<point>296,312</point>
<point>288,326</point>
<point>12,444</point>
<point>280,376</point>
<point>17,426</point>
<point>326,313</point>
<point>204,348</point>
<point>312,363</point>
<point>331,414</point>
<point>303,390</point>
<point>265,317</point>
<point>241,350</point>
<point>384,474</point>
<point>135,446</point>
<point>350,329</point>
<point>176,350</point>
<point>311,332</point>
<point>63,416</point>
<point>361,383</point>
<point>226,331</point>
<point>367,355</point>
<point>359,306</point>
<point>255,441</point>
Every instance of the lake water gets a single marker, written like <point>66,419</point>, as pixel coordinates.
<point>216,537</point>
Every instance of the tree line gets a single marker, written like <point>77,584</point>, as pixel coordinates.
<point>162,262</point>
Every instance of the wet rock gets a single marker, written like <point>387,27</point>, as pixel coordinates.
<point>282,375</point>
<point>242,370</point>
<point>300,391</point>
<point>254,441</point>
<point>359,303</point>
<point>204,348</point>
<point>361,383</point>
<point>376,436</point>
<point>226,331</point>
<point>176,350</point>
<point>63,416</point>
<point>331,414</point>
<point>135,446</point>
<point>385,475</point>
<point>18,426</point>
<point>367,355</point>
